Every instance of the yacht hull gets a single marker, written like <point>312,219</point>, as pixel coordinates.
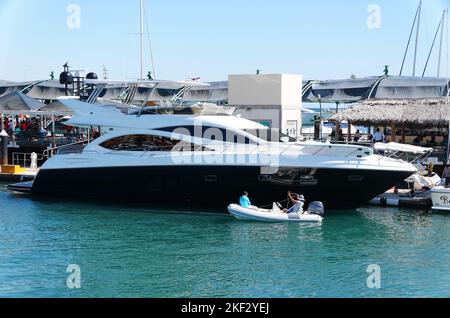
<point>217,185</point>
<point>441,199</point>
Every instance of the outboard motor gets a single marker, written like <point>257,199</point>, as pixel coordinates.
<point>316,208</point>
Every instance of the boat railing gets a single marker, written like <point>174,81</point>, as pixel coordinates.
<point>25,160</point>
<point>76,147</point>
<point>45,140</point>
<point>412,154</point>
<point>356,151</point>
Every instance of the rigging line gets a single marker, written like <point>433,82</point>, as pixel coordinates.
<point>432,47</point>
<point>271,205</point>
<point>417,38</point>
<point>150,43</point>
<point>444,16</point>
<point>409,42</point>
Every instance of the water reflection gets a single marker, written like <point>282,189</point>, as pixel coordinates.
<point>143,251</point>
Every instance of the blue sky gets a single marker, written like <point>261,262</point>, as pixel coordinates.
<point>321,39</point>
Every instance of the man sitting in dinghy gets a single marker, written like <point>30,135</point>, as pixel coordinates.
<point>298,202</point>
<point>244,201</point>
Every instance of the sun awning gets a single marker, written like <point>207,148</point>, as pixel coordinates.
<point>18,103</point>
<point>425,112</point>
<point>396,147</point>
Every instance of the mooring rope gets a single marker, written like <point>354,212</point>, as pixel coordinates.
<point>271,205</point>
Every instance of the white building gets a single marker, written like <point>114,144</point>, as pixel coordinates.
<point>273,100</point>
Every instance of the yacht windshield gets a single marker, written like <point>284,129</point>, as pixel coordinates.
<point>210,133</point>
<point>195,110</point>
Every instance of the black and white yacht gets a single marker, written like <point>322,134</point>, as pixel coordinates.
<point>208,160</point>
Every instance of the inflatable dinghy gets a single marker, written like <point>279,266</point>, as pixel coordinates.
<point>276,215</point>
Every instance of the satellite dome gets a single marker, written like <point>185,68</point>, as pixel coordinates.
<point>66,78</point>
<point>92,76</point>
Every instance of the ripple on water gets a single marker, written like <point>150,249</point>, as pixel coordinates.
<point>128,251</point>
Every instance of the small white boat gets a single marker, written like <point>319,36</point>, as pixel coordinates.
<point>276,215</point>
<point>441,198</point>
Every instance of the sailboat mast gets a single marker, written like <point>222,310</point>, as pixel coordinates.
<point>448,80</point>
<point>142,37</point>
<point>409,42</point>
<point>444,18</point>
<point>417,38</point>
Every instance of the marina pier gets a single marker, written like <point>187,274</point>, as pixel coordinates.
<point>226,150</point>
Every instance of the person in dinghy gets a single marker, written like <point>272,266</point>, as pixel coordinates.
<point>298,202</point>
<point>245,202</point>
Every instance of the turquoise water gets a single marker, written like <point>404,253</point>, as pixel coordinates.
<point>136,252</point>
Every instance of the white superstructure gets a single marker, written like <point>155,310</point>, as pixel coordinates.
<point>216,157</point>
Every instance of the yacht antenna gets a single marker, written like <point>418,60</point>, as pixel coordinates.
<point>417,37</point>
<point>105,72</point>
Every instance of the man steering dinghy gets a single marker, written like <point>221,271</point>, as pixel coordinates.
<point>298,202</point>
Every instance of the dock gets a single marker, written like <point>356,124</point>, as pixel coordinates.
<point>404,199</point>
<point>26,175</point>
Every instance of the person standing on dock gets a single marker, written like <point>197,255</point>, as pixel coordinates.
<point>379,136</point>
<point>357,136</point>
<point>12,125</point>
<point>430,168</point>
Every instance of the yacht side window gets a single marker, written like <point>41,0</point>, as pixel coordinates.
<point>209,133</point>
<point>150,143</point>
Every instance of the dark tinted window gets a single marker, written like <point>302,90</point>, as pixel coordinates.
<point>211,133</point>
<point>149,143</point>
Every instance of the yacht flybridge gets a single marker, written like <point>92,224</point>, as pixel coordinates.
<point>208,160</point>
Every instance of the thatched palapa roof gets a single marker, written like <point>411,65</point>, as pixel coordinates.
<point>410,112</point>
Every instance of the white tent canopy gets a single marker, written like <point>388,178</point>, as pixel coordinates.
<point>18,103</point>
